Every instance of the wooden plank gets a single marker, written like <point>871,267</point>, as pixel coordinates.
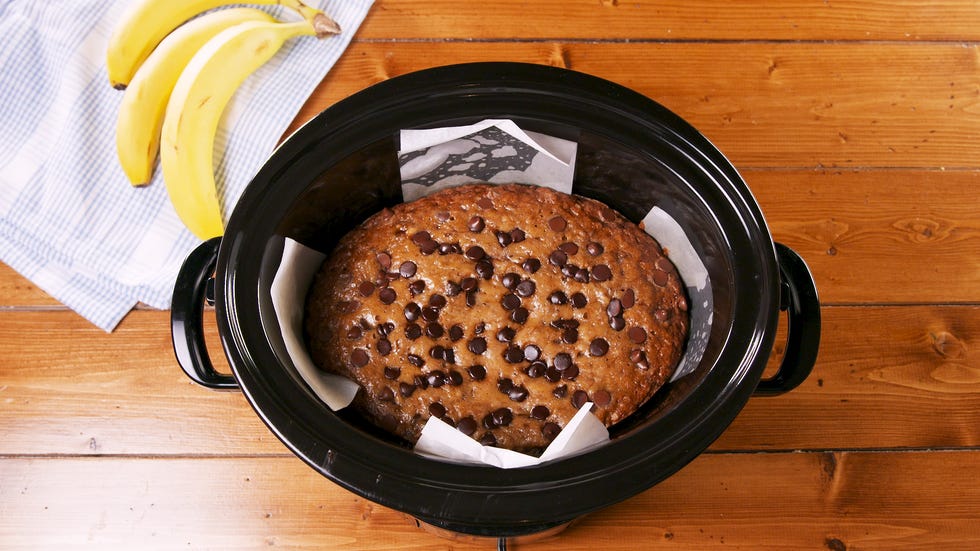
<point>833,501</point>
<point>763,104</point>
<point>674,20</point>
<point>886,377</point>
<point>15,290</point>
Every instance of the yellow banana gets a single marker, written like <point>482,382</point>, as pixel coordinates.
<point>147,22</point>
<point>196,103</point>
<point>145,101</point>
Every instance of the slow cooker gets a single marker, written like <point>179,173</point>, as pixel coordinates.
<point>341,167</point>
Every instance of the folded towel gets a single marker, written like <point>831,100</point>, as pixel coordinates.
<point>69,219</point>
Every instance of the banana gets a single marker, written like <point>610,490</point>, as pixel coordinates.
<point>147,22</point>
<point>145,101</point>
<point>191,121</point>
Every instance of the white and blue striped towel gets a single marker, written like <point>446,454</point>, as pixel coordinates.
<point>69,220</point>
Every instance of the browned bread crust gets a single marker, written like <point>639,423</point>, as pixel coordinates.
<point>500,309</point>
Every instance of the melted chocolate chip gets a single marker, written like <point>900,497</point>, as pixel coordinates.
<point>582,275</point>
<point>617,323</point>
<point>453,288</point>
<point>436,378</point>
<point>449,355</point>
<point>471,298</point>
<point>598,347</point>
<point>413,331</point>
<point>477,345</point>
<point>579,300</point>
<point>560,391</point>
<point>569,248</point>
<point>601,272</point>
<point>475,252</point>
<point>503,238</point>
<point>387,295</point>
<point>552,374</point>
<point>615,308</point>
<point>579,398</point>
<point>484,203</point>
<point>518,394</point>
<point>513,355</point>
<point>510,301</point>
<point>639,358</point>
<point>468,283</point>
<point>437,352</point>
<point>504,385</point>
<point>467,426</point>
<point>386,395</point>
<point>540,412</point>
<point>517,235</point>
<point>531,265</point>
<point>629,298</point>
<point>532,352</point>
<point>480,327</point>
<point>550,430</point>
<point>557,224</point>
<point>359,357</point>
<point>437,301</point>
<point>433,330</point>
<point>569,270</point>
<point>488,439</point>
<point>456,332</point>
<point>569,336</point>
<point>525,288</point>
<point>637,334</point>
<point>412,311</point>
<point>565,324</point>
<point>510,280</point>
<point>416,287</point>
<point>506,334</point>
<point>601,398</point>
<point>449,248</point>
<point>484,269</point>
<point>519,315</point>
<point>436,409</point>
<point>354,333</point>
<point>421,237</point>
<point>477,372</point>
<point>594,248</point>
<point>384,347</point>
<point>406,389</point>
<point>488,423</point>
<point>385,329</point>
<point>420,381</point>
<point>660,277</point>
<point>428,247</point>
<point>502,417</point>
<point>417,361</point>
<point>366,288</point>
<point>455,378</point>
<point>563,361</point>
<point>384,259</point>
<point>476,224</point>
<point>536,369</point>
<point>407,269</point>
<point>558,258</point>
<point>558,297</point>
<point>570,373</point>
<point>430,313</point>
<point>393,372</point>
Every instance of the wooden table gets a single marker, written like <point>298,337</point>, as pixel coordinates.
<point>857,126</point>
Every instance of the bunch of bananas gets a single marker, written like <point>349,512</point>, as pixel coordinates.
<point>178,76</point>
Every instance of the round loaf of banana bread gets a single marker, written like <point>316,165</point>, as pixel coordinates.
<point>500,309</point>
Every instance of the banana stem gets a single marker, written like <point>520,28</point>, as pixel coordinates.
<point>323,24</point>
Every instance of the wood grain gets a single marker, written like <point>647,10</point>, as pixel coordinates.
<point>828,500</point>
<point>905,20</point>
<point>886,377</point>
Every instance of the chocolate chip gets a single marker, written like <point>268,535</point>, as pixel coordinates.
<point>639,358</point>
<point>437,352</point>
<point>471,298</point>
<point>565,324</point>
<point>436,378</point>
<point>385,329</point>
<point>387,295</point>
<point>412,311</point>
<point>532,352</point>
<point>510,280</point>
<point>557,224</point>
<point>476,224</point>
<point>453,288</point>
<point>433,330</point>
<point>466,425</point>
<point>504,385</point>
<point>449,248</point>
<point>558,258</point>
<point>513,355</point>
<point>503,238</point>
<point>594,249</point>
<point>536,369</point>
<point>558,297</point>
<point>560,391</point>
<point>615,308</point>
<point>637,334</point>
<point>384,347</point>
<point>416,287</point>
<point>569,336</point>
<point>601,398</point>
<point>550,430</point>
<point>407,269</point>
<point>506,334</point>
<point>519,315</point>
<point>617,323</point>
<point>488,439</point>
<point>484,203</point>
<point>629,298</point>
<point>366,288</point>
<point>477,372</point>
<point>510,301</point>
<point>436,409</point>
<point>456,332</point>
<point>598,347</point>
<point>415,360</point>
<point>388,277</point>
<point>430,313</point>
<point>518,394</point>
<point>406,389</point>
<point>540,412</point>
<point>359,357</point>
<point>552,374</point>
<point>570,373</point>
<point>517,235</point>
<point>421,237</point>
<point>350,306</point>
<point>455,378</point>
<point>484,269</point>
<point>420,381</point>
<point>579,300</point>
<point>582,275</point>
<point>579,398</point>
<point>601,272</point>
<point>413,331</point>
<point>437,301</point>
<point>365,325</point>
<point>569,248</point>
<point>468,283</point>
<point>569,270</point>
<point>428,247</point>
<point>449,355</point>
<point>502,417</point>
<point>531,265</point>
<point>442,216</point>
<point>525,288</point>
<point>662,315</point>
<point>563,361</point>
<point>386,395</point>
<point>393,372</point>
<point>480,327</point>
<point>477,345</point>
<point>475,252</point>
<point>384,259</point>
<point>488,423</point>
<point>660,277</point>
<point>354,333</point>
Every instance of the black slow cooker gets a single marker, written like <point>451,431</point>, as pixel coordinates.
<point>341,167</point>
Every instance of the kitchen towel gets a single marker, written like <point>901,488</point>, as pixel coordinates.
<point>70,222</point>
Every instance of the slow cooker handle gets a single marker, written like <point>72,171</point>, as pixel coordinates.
<point>186,317</point>
<point>799,299</point>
